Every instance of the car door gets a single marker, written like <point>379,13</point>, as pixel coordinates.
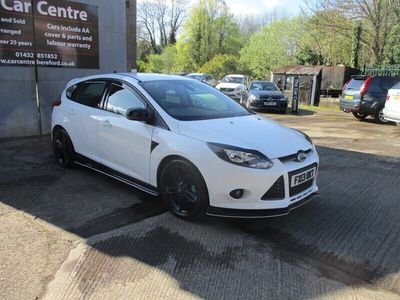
<point>82,113</point>
<point>124,144</point>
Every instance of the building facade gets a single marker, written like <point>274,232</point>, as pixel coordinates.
<point>69,39</point>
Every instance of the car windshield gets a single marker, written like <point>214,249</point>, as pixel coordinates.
<point>195,76</point>
<point>233,79</point>
<point>263,86</point>
<point>188,100</point>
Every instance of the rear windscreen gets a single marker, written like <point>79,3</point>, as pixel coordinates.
<point>355,84</point>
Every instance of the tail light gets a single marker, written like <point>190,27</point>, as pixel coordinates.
<point>56,103</point>
<point>365,86</point>
<point>387,97</point>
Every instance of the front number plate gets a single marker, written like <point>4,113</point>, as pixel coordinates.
<point>349,97</point>
<point>303,177</point>
<point>269,103</point>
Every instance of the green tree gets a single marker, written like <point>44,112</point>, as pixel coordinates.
<point>321,45</point>
<point>275,45</point>
<point>357,31</point>
<point>376,15</point>
<point>221,65</point>
<point>210,30</point>
<point>392,50</point>
<point>308,56</point>
<point>161,63</point>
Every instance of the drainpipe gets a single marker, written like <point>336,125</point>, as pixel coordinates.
<point>39,113</point>
<point>314,87</point>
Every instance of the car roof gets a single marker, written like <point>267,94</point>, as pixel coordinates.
<point>139,77</point>
<point>236,75</point>
<point>262,81</point>
<point>196,74</point>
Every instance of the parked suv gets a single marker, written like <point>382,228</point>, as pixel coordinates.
<point>366,95</point>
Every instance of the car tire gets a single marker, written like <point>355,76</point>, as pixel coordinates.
<point>379,116</point>
<point>183,189</point>
<point>358,115</point>
<point>63,148</point>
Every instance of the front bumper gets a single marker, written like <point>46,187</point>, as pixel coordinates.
<point>222,178</point>
<point>258,213</point>
<point>261,104</point>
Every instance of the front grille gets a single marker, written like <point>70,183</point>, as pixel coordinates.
<point>277,191</point>
<point>293,157</point>
<point>301,187</point>
<point>267,98</point>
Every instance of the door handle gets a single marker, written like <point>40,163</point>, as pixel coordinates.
<point>106,123</point>
<point>71,111</point>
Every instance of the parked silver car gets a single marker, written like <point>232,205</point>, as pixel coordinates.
<point>203,77</point>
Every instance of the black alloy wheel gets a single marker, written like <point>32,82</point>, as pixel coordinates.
<point>63,149</point>
<point>183,189</point>
<point>358,115</point>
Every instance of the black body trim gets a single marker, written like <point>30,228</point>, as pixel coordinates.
<point>98,167</point>
<point>154,145</point>
<point>257,213</point>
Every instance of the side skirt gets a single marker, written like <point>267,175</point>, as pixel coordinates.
<point>95,166</point>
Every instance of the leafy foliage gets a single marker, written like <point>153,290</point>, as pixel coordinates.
<point>273,46</point>
<point>221,65</point>
<point>210,30</point>
<point>212,40</point>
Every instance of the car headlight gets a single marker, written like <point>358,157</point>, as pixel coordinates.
<point>241,157</point>
<point>254,97</point>
<point>306,136</point>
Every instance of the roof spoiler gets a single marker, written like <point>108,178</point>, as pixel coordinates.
<point>360,76</point>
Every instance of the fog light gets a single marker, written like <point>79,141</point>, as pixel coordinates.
<point>236,194</point>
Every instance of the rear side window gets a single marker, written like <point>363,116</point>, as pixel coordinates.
<point>388,82</point>
<point>70,91</point>
<point>355,84</point>
<point>89,93</point>
<point>397,86</point>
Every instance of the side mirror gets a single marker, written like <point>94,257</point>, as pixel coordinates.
<point>138,114</point>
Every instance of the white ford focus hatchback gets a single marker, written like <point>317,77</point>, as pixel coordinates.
<point>198,149</point>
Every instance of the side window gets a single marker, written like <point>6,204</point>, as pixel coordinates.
<point>388,83</point>
<point>89,93</point>
<point>70,91</point>
<point>121,99</point>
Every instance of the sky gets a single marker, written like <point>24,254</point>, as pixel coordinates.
<point>252,7</point>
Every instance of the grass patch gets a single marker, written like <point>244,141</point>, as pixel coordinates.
<point>320,108</point>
